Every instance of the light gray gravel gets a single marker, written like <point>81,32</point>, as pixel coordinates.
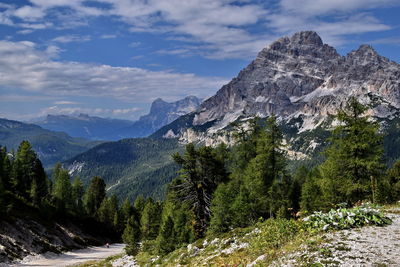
<point>72,257</point>
<point>366,246</point>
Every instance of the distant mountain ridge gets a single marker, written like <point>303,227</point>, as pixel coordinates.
<point>85,126</point>
<point>50,146</point>
<point>97,128</point>
<point>161,113</point>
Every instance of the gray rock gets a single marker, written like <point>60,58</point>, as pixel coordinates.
<point>302,76</point>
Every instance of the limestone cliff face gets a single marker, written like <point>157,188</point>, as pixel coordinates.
<point>300,76</point>
<point>161,113</point>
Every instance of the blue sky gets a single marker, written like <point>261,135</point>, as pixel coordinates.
<point>112,58</point>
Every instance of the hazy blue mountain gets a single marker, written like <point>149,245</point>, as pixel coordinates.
<point>96,128</point>
<point>85,126</point>
<point>161,113</point>
<point>50,146</point>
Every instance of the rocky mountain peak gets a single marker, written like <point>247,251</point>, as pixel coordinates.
<point>365,49</point>
<point>366,54</point>
<point>158,105</point>
<point>300,76</point>
<point>302,44</point>
<point>306,38</point>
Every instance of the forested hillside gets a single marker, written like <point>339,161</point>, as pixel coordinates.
<point>40,213</point>
<point>51,147</point>
<point>130,167</point>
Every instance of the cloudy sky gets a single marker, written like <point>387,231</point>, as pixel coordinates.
<point>111,58</point>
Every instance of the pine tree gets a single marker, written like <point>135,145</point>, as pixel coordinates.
<point>23,171</point>
<point>184,233</point>
<point>312,198</point>
<point>222,215</point>
<point>388,188</point>
<point>131,236</point>
<point>264,169</point>
<point>280,198</point>
<point>5,171</point>
<point>126,211</point>
<point>166,241</point>
<point>62,190</point>
<point>107,210</point>
<point>202,170</point>
<point>95,195</point>
<point>2,198</point>
<point>246,146</point>
<point>39,189</point>
<point>299,179</point>
<point>354,158</point>
<point>77,195</point>
<point>139,204</point>
<point>150,220</point>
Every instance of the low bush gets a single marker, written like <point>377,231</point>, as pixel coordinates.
<point>346,218</point>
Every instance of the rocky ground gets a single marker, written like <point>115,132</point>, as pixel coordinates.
<point>367,246</point>
<point>72,257</point>
<point>23,237</point>
<point>125,261</point>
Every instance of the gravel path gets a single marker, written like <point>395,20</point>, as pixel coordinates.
<point>366,246</point>
<point>71,257</point>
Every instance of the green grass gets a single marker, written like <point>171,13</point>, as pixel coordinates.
<point>103,263</point>
<point>272,239</point>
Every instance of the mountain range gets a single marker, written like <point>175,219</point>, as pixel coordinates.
<point>84,126</point>
<point>96,128</point>
<point>301,80</point>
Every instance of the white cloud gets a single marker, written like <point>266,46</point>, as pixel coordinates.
<point>14,98</point>
<point>345,18</point>
<point>216,28</point>
<point>71,38</point>
<point>135,44</point>
<point>108,36</point>
<point>323,7</point>
<point>25,31</point>
<point>391,40</point>
<point>74,111</point>
<point>23,66</point>
<point>29,13</point>
<point>64,102</point>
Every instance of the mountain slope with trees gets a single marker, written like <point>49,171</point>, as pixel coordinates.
<point>130,167</point>
<point>51,147</point>
<point>38,214</point>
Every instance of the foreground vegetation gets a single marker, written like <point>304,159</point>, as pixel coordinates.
<point>240,201</point>
<point>248,187</point>
<point>264,242</point>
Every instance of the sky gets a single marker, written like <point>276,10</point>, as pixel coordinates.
<point>112,58</point>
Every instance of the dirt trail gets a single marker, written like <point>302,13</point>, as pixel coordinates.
<point>71,257</point>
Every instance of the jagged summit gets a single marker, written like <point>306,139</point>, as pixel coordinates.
<point>301,77</point>
<point>306,38</point>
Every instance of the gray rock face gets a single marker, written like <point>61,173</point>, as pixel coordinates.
<point>302,76</point>
<point>161,113</point>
